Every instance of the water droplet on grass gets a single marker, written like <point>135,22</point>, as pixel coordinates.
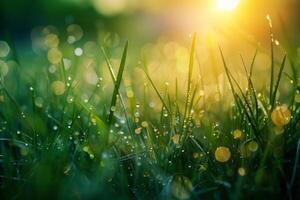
<point>78,51</point>
<point>138,131</point>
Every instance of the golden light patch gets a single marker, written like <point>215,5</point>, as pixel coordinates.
<point>222,154</point>
<point>242,171</point>
<point>58,87</point>
<point>129,93</point>
<point>252,146</point>
<point>144,124</point>
<point>54,56</point>
<point>237,134</point>
<point>176,139</point>
<point>138,130</point>
<point>52,40</point>
<point>281,115</point>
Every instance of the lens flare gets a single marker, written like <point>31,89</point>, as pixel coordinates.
<point>226,5</point>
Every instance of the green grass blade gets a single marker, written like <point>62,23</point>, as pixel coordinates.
<point>272,60</point>
<point>113,77</point>
<point>109,65</point>
<point>238,100</point>
<point>251,89</point>
<point>157,92</point>
<point>191,62</point>
<point>252,92</point>
<point>277,82</point>
<point>118,82</point>
<point>227,72</point>
<point>190,73</point>
<point>252,63</point>
<point>63,71</point>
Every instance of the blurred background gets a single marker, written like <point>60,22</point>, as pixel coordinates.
<point>158,31</point>
<point>148,19</point>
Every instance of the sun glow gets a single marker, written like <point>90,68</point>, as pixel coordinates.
<point>226,5</point>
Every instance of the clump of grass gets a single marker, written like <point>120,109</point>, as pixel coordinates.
<point>69,147</point>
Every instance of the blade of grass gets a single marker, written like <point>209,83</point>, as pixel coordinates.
<point>227,72</point>
<point>185,133</point>
<point>156,90</point>
<point>252,92</point>
<point>277,82</point>
<point>118,83</point>
<point>252,63</point>
<point>247,109</point>
<point>190,73</point>
<point>237,98</point>
<point>63,71</point>
<point>110,68</point>
<point>201,79</point>
<point>109,65</point>
<point>251,71</point>
<point>272,56</point>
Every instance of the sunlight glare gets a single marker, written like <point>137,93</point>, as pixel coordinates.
<point>226,5</point>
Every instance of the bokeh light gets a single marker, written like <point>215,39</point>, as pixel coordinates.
<point>58,87</point>
<point>3,68</point>
<point>4,49</point>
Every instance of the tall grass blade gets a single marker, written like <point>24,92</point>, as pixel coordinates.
<point>272,57</point>
<point>247,109</point>
<point>252,63</point>
<point>118,83</point>
<point>157,92</point>
<point>277,82</point>
<point>113,77</point>
<point>190,73</point>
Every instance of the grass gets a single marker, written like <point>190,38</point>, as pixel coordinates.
<point>65,146</point>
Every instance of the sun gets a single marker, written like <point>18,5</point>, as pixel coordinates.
<point>226,5</point>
